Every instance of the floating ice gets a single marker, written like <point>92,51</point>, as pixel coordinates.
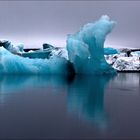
<point>14,64</point>
<point>121,61</point>
<point>85,54</point>
<point>10,47</point>
<point>137,53</point>
<point>127,64</point>
<point>85,48</point>
<point>109,51</point>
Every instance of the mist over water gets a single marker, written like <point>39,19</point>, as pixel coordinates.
<point>81,107</point>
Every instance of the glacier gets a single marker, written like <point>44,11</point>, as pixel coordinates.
<point>84,54</point>
<point>86,47</point>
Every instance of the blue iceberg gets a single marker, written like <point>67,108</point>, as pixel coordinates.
<point>10,47</point>
<point>85,48</point>
<point>110,51</point>
<point>85,54</point>
<point>14,64</point>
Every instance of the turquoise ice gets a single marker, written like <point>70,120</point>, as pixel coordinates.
<point>86,47</point>
<point>110,51</point>
<point>85,54</point>
<point>14,64</point>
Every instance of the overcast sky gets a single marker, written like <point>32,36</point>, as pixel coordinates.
<point>35,22</point>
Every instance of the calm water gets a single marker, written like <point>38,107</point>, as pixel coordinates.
<point>83,107</point>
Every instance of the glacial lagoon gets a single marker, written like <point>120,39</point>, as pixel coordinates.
<point>87,107</point>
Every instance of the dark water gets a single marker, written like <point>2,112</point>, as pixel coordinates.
<point>43,107</point>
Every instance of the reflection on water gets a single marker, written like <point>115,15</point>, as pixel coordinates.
<point>126,81</point>
<point>55,107</point>
<point>15,83</point>
<point>12,84</point>
<point>85,95</point>
<point>86,98</point>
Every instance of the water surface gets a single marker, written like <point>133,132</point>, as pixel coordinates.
<point>87,107</point>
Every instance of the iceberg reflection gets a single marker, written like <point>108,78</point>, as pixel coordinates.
<point>86,99</point>
<point>84,94</point>
<point>18,84</point>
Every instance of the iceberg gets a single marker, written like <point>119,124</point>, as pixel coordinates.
<point>137,53</point>
<point>84,54</point>
<point>127,64</point>
<point>85,48</point>
<point>15,64</point>
<point>127,60</point>
<point>10,47</point>
<point>110,51</point>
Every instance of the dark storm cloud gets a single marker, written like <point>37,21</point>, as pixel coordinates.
<point>32,21</point>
